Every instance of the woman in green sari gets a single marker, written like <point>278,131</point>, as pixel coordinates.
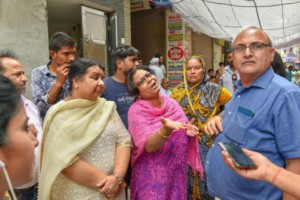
<point>200,99</point>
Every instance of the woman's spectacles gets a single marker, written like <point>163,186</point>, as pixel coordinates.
<point>142,80</point>
<point>253,47</point>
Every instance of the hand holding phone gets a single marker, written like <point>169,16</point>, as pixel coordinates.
<point>239,158</point>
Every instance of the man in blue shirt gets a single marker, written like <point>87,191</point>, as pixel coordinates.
<point>263,115</point>
<point>125,57</point>
<point>49,82</point>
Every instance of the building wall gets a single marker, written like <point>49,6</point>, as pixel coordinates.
<point>203,45</point>
<point>122,9</point>
<point>149,32</point>
<point>127,22</point>
<point>218,55</point>
<point>24,29</point>
<point>149,36</point>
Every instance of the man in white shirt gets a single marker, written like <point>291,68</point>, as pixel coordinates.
<point>165,87</point>
<point>158,72</point>
<point>12,69</point>
<point>161,63</point>
<point>230,75</point>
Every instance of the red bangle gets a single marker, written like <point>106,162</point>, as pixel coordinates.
<point>276,174</point>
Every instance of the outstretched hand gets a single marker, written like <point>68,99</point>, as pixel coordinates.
<point>191,129</point>
<point>172,125</point>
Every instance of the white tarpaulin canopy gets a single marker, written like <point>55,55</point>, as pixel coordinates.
<point>225,18</point>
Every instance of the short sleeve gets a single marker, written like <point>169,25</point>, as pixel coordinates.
<point>287,126</point>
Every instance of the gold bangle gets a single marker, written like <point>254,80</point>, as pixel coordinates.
<point>162,135</point>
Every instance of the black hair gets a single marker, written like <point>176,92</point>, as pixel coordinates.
<point>228,51</point>
<point>9,105</point>
<point>6,53</point>
<point>278,66</point>
<point>78,68</point>
<point>221,63</point>
<point>122,52</point>
<point>101,66</point>
<point>132,90</point>
<point>158,55</point>
<point>59,40</point>
<point>210,70</point>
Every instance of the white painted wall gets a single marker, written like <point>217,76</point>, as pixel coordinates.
<point>23,28</point>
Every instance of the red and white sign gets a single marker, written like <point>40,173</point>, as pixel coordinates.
<point>175,53</point>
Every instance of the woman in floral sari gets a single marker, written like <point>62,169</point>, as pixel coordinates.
<point>164,141</point>
<point>200,99</point>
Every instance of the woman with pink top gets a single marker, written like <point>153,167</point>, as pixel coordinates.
<point>164,141</point>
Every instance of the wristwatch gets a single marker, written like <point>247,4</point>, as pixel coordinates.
<point>119,180</point>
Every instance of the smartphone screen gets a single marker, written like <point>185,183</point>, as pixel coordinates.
<point>239,158</point>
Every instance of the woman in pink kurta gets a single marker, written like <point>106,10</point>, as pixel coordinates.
<point>164,141</point>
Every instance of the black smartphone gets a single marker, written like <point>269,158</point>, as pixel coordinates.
<point>239,158</point>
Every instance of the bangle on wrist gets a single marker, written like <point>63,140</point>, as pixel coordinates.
<point>162,135</point>
<point>58,84</point>
<point>276,175</point>
<point>119,180</point>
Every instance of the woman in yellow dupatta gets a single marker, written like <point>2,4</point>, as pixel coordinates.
<point>85,148</point>
<point>200,99</point>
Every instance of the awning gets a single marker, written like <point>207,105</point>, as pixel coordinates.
<point>225,18</point>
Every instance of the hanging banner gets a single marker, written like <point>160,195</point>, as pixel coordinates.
<point>136,5</point>
<point>179,47</point>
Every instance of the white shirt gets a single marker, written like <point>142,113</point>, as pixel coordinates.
<point>162,67</point>
<point>158,73</point>
<point>33,114</point>
<point>226,79</point>
<point>165,92</point>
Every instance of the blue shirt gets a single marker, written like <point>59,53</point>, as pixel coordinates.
<point>41,82</point>
<point>263,117</point>
<point>117,92</point>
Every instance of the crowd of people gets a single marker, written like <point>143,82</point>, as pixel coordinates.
<point>129,136</point>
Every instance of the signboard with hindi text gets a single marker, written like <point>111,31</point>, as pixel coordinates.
<point>179,47</point>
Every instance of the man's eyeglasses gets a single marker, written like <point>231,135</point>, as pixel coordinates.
<point>142,80</point>
<point>253,47</point>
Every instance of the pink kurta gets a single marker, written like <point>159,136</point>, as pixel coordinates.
<point>163,174</point>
